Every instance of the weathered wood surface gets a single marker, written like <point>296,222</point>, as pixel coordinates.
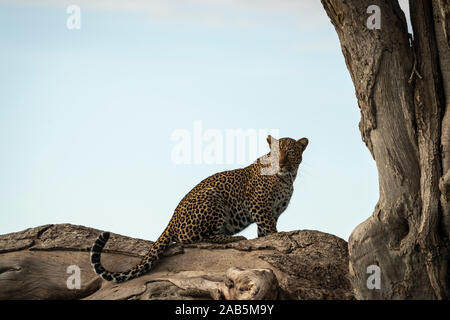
<point>287,265</point>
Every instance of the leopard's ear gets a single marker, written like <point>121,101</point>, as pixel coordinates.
<point>303,142</point>
<point>270,140</point>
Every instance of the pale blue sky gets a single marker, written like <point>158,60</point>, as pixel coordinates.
<point>86,115</point>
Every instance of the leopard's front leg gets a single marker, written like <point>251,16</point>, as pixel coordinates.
<point>264,220</point>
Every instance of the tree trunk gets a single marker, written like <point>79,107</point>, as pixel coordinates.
<point>402,87</point>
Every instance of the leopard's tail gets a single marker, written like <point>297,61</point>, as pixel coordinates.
<point>141,268</point>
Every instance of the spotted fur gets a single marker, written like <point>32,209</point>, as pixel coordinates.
<point>223,205</point>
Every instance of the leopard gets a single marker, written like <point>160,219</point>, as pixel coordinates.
<point>222,205</point>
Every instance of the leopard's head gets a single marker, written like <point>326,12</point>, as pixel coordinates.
<point>289,153</point>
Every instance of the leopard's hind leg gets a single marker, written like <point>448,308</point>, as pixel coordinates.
<point>223,238</point>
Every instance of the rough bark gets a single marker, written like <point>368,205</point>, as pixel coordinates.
<point>400,93</point>
<point>429,102</point>
<point>286,265</point>
<point>441,14</point>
